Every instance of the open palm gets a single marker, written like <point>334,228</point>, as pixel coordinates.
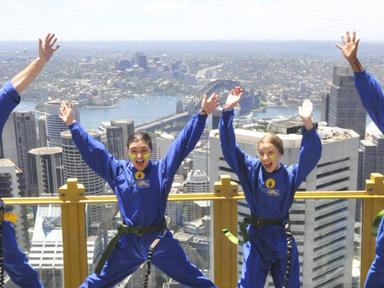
<point>349,45</point>
<point>233,98</point>
<point>305,110</point>
<point>209,105</point>
<point>66,113</point>
<point>46,47</point>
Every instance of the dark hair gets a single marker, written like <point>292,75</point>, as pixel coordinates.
<point>143,136</point>
<point>274,140</point>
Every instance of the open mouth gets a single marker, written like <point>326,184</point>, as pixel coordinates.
<point>268,166</point>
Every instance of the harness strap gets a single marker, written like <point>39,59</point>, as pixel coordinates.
<point>149,260</point>
<point>123,230</point>
<point>254,221</point>
<point>377,221</point>
<point>288,233</point>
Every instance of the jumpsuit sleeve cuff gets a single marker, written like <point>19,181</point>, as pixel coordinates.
<point>359,75</point>
<point>73,126</point>
<point>304,131</point>
<point>228,113</point>
<point>202,116</point>
<point>11,92</point>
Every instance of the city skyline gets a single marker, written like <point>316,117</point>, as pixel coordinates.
<point>182,20</point>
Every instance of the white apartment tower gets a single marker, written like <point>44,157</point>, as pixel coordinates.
<point>323,229</point>
<point>54,124</point>
<point>75,167</point>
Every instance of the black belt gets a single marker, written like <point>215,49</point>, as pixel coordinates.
<point>254,221</point>
<point>261,222</point>
<point>123,230</point>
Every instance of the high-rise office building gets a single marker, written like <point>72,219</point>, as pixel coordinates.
<point>323,229</point>
<point>75,167</point>
<point>42,125</point>
<point>174,210</point>
<point>46,254</point>
<point>140,59</point>
<point>48,169</point>
<point>372,154</point>
<point>117,137</point>
<point>197,182</point>
<point>160,145</point>
<point>200,159</point>
<point>54,124</point>
<point>342,105</point>
<point>19,136</point>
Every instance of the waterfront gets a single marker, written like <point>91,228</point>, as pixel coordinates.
<point>154,107</point>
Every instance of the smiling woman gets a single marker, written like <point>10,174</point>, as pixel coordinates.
<point>269,188</point>
<point>142,187</point>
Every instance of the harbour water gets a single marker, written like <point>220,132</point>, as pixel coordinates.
<point>153,107</point>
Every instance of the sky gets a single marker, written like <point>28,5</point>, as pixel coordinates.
<point>167,20</point>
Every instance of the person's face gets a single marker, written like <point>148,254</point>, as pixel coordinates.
<point>269,156</point>
<point>139,153</point>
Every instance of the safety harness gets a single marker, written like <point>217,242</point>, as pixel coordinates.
<point>139,231</point>
<point>261,222</point>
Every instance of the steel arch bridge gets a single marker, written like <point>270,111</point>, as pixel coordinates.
<point>218,86</point>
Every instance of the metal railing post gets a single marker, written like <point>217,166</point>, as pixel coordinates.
<point>74,233</point>
<point>371,207</point>
<point>225,216</point>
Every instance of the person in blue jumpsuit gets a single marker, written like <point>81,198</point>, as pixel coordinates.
<point>142,187</point>
<point>269,188</point>
<point>15,261</point>
<point>372,97</point>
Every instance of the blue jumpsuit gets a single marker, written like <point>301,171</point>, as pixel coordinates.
<point>266,250</point>
<point>15,261</point>
<point>142,203</point>
<point>372,97</point>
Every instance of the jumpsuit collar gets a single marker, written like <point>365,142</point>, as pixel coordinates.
<point>145,171</point>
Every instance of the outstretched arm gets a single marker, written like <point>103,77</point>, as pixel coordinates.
<point>349,48</point>
<point>371,95</point>
<point>369,89</point>
<point>310,149</point>
<point>305,112</point>
<point>232,153</point>
<point>9,99</point>
<point>187,139</point>
<point>10,92</point>
<point>46,49</point>
<point>92,151</point>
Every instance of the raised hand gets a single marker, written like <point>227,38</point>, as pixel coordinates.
<point>305,112</point>
<point>349,49</point>
<point>46,47</point>
<point>233,98</point>
<point>209,105</point>
<point>66,113</point>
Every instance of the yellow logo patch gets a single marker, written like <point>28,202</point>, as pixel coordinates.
<point>270,183</point>
<point>11,217</point>
<point>139,175</point>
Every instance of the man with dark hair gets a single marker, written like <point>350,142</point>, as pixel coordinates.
<point>14,260</point>
<point>371,96</point>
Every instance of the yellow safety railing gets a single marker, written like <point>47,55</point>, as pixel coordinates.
<point>72,199</point>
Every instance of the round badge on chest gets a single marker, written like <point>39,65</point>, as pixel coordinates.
<point>270,183</point>
<point>139,175</point>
